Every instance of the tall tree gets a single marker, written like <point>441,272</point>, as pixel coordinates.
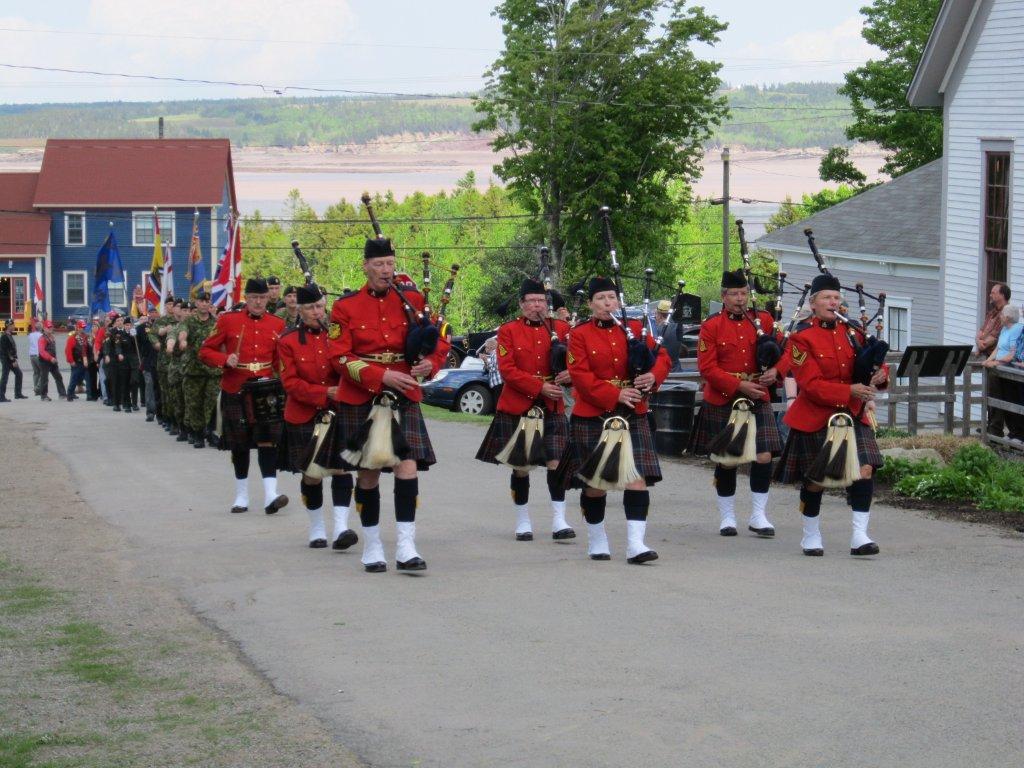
<point>598,104</point>
<point>878,90</point>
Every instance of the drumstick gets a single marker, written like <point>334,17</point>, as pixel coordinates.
<point>238,349</point>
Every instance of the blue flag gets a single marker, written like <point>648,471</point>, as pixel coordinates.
<point>109,270</point>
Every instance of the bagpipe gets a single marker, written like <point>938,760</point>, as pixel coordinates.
<point>438,318</point>
<point>559,351</point>
<point>767,349</point>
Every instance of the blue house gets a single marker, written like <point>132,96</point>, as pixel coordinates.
<point>88,187</point>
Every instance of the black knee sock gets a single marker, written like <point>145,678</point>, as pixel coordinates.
<point>760,477</point>
<point>810,502</point>
<point>406,493</point>
<point>593,508</point>
<point>636,504</point>
<point>725,480</point>
<point>267,458</point>
<point>859,494</point>
<point>520,489</point>
<point>341,490</point>
<point>312,495</point>
<point>368,505</point>
<point>555,488</point>
<point>240,461</point>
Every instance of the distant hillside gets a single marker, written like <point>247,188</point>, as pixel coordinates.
<point>811,119</point>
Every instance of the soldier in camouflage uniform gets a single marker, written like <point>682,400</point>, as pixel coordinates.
<point>160,328</point>
<point>274,302</point>
<point>175,375</point>
<point>289,312</point>
<point>202,382</point>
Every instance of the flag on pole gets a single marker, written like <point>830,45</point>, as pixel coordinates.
<point>227,288</point>
<point>40,297</point>
<point>195,269</point>
<point>155,280</point>
<point>109,271</point>
<point>168,271</point>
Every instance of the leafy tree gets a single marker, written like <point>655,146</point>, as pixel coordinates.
<point>836,166</point>
<point>878,90</point>
<point>598,105</point>
<point>790,212</point>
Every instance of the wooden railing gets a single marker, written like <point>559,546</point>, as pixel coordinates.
<point>1003,373</point>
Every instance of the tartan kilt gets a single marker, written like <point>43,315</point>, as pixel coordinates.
<point>584,432</point>
<point>238,432</point>
<point>503,426</point>
<point>297,438</point>
<point>712,419</point>
<point>349,418</point>
<point>803,447</point>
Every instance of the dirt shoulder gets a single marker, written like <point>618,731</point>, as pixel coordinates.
<point>99,667</point>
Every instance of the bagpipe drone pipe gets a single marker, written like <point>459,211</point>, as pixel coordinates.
<point>767,349</point>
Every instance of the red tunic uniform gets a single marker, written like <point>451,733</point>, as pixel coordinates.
<point>257,353</point>
<point>306,373</point>
<point>599,367</point>
<point>524,360</point>
<point>727,347</point>
<point>822,358</point>
<point>368,338</point>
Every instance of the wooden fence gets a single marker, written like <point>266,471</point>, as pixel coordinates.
<point>1004,375</point>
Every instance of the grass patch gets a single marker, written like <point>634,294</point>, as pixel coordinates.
<point>18,750</point>
<point>93,656</point>
<point>442,414</point>
<point>27,598</point>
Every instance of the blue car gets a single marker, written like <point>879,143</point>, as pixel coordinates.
<point>465,389</point>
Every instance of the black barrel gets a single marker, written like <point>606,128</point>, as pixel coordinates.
<point>673,406</point>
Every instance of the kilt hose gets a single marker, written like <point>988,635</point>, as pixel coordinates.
<point>803,447</point>
<point>238,431</point>
<point>712,419</point>
<point>503,426</point>
<point>349,418</point>
<point>584,432</point>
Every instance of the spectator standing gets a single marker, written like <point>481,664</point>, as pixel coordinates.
<point>33,354</point>
<point>9,362</point>
<point>1004,353</point>
<point>988,335</point>
<point>490,359</point>
<point>75,354</point>
<point>98,339</point>
<point>668,330</point>
<point>48,363</point>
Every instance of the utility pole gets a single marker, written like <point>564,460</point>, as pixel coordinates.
<point>725,209</point>
<point>160,128</point>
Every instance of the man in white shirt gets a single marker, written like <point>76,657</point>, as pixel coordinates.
<point>33,354</point>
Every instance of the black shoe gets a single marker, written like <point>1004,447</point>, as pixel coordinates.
<point>375,567</point>
<point>172,431</point>
<point>601,556</point>
<point>182,437</point>
<point>565,533</point>
<point>318,544</point>
<point>764,533</point>
<point>198,444</point>
<point>149,417</point>
<point>643,557</point>
<point>413,564</point>
<point>528,536</point>
<point>866,549</point>
<point>128,409</point>
<point>21,397</point>
<point>345,539</point>
<point>727,531</point>
<point>45,399</point>
<point>236,510</point>
<point>72,397</point>
<point>814,552</point>
<point>108,402</point>
<point>4,400</point>
<point>279,503</point>
<point>117,409</point>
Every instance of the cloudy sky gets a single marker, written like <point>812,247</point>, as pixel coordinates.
<point>401,46</point>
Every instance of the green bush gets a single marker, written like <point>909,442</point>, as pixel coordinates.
<point>894,470</point>
<point>948,484</point>
<point>884,432</point>
<point>976,460</point>
<point>993,497</point>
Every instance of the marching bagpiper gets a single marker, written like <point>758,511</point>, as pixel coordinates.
<point>735,424</point>
<point>529,427</point>
<point>369,330</point>
<point>831,442</point>
<point>244,344</point>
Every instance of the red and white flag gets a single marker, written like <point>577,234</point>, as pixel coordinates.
<point>227,286</point>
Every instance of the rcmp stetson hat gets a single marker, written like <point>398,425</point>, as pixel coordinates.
<point>308,294</point>
<point>377,247</point>
<point>825,283</point>
<point>734,279</point>
<point>256,285</point>
<point>599,285</point>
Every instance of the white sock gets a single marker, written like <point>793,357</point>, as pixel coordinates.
<point>316,524</point>
<point>406,548</point>
<point>597,539</point>
<point>726,512</point>
<point>269,490</point>
<point>758,518</point>
<point>812,533</point>
<point>340,521</point>
<point>373,549</point>
<point>523,524</point>
<point>241,492</point>
<point>558,521</point>
<point>635,531</point>
<point>860,530</point>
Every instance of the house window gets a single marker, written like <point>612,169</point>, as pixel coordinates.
<point>116,294</point>
<point>74,288</point>
<point>897,323</point>
<point>142,227</point>
<point>74,228</point>
<point>997,217</point>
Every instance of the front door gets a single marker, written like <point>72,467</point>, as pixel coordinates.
<point>14,299</point>
<point>6,296</point>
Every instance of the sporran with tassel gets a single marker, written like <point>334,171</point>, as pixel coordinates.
<point>525,449</point>
<point>837,465</point>
<point>737,443</point>
<point>611,466</point>
<point>379,443</point>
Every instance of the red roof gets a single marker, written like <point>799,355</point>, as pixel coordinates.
<point>26,232</point>
<point>134,172</point>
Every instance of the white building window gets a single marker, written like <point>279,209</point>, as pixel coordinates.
<point>897,323</point>
<point>74,228</point>
<point>75,294</point>
<point>142,227</point>
<point>116,293</point>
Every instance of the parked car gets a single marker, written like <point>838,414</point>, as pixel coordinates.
<point>466,345</point>
<point>465,389</point>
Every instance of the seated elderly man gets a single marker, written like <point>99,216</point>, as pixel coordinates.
<point>1004,353</point>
